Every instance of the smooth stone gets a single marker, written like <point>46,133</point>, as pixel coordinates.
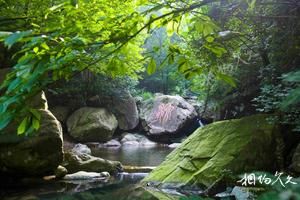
<point>60,172</point>
<point>82,175</point>
<point>81,148</point>
<point>242,193</point>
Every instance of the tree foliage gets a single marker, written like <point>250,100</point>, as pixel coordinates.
<point>57,39</point>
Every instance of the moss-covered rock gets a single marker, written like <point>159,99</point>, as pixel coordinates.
<point>36,155</point>
<point>83,162</point>
<point>89,124</point>
<point>240,145</point>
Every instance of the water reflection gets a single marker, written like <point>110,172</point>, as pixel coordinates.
<point>134,155</point>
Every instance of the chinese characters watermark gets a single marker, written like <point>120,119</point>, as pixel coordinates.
<point>252,179</point>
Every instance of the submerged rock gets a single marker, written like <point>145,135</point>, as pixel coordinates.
<point>242,193</point>
<point>167,116</point>
<point>81,148</point>
<point>82,175</point>
<point>84,162</point>
<point>240,145</point>
<point>92,125</point>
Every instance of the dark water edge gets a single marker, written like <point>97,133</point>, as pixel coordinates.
<point>124,186</point>
<point>118,187</point>
<point>40,189</point>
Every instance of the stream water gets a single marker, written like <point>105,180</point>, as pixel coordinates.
<point>124,186</point>
<point>134,155</point>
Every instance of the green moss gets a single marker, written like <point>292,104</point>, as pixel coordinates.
<point>236,145</point>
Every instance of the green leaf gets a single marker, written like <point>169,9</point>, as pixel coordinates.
<point>292,76</point>
<point>36,49</point>
<point>15,37</point>
<point>74,3</point>
<point>292,99</point>
<point>226,78</point>
<point>216,49</point>
<point>171,59</point>
<point>252,4</point>
<point>36,114</point>
<point>7,102</point>
<point>4,34</point>
<point>45,46</point>
<point>56,7</point>
<point>5,120</point>
<point>14,84</point>
<point>210,39</point>
<point>151,67</point>
<point>35,124</point>
<point>23,126</point>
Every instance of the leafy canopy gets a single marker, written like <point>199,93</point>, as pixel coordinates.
<point>58,39</point>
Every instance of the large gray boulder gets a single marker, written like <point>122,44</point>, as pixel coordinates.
<point>166,115</point>
<point>126,111</point>
<point>34,155</point>
<point>92,125</point>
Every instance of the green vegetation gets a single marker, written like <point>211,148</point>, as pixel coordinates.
<point>231,59</point>
<point>246,44</point>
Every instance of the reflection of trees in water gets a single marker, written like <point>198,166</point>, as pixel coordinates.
<point>134,155</point>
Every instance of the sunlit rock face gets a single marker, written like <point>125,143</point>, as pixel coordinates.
<point>166,117</point>
<point>92,125</point>
<point>237,146</point>
<point>39,154</point>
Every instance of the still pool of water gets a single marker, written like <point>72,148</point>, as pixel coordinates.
<point>134,155</point>
<point>122,187</point>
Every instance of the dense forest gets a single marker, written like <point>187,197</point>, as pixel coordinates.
<point>150,99</point>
